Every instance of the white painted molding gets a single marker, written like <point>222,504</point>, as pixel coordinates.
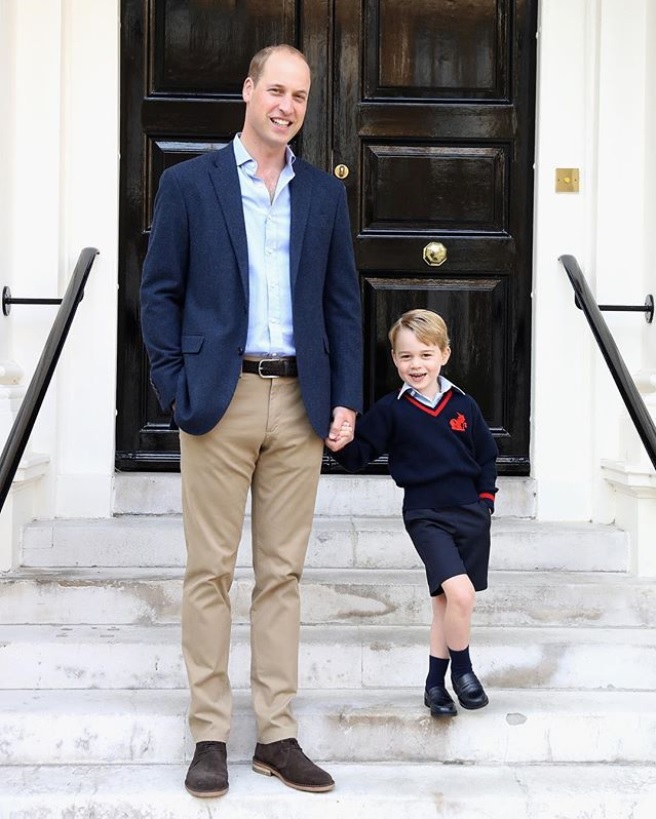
<point>630,478</point>
<point>10,373</point>
<point>646,383</point>
<point>20,507</point>
<point>33,466</point>
<point>633,479</point>
<point>635,495</point>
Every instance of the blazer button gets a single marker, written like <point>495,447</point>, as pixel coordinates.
<point>240,351</point>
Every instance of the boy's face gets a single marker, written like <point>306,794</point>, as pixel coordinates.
<point>418,364</point>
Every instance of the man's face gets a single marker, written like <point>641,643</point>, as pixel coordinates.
<point>276,105</point>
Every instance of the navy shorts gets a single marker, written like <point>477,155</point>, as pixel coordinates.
<point>452,541</point>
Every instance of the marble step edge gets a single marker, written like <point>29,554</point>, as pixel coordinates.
<point>89,575</point>
<point>392,597</point>
<point>517,727</point>
<point>334,542</point>
<point>331,633</point>
<point>131,657</point>
<point>158,493</point>
<point>365,791</point>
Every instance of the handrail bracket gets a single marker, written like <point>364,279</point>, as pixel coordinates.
<point>8,300</point>
<point>647,308</point>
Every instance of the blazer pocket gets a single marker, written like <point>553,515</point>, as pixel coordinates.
<point>191,344</point>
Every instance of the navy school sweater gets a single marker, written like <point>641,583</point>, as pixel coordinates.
<point>441,457</point>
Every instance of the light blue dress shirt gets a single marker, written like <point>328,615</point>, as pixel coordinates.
<point>443,385</point>
<point>270,328</point>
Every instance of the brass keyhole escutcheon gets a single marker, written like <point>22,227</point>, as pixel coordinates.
<point>341,171</point>
<point>435,254</point>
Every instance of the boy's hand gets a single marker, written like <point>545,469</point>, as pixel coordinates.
<point>341,429</point>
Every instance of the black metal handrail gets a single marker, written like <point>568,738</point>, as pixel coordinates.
<point>31,404</point>
<point>633,401</point>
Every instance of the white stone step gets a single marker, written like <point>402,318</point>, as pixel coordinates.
<point>331,657</point>
<point>518,727</point>
<point>370,791</point>
<point>350,596</point>
<point>158,493</point>
<point>336,542</point>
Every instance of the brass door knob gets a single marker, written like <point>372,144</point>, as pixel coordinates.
<point>435,254</point>
<point>341,171</point>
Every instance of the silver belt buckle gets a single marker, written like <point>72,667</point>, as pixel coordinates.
<point>259,367</point>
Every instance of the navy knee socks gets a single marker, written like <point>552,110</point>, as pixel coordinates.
<point>436,671</point>
<point>460,662</point>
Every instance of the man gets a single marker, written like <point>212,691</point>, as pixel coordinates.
<point>251,318</point>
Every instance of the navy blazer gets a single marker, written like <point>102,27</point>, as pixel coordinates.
<point>194,292</point>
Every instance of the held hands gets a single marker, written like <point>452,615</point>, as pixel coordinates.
<point>341,429</point>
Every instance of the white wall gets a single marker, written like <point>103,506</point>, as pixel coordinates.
<point>649,221</point>
<point>592,103</point>
<point>35,203</point>
<point>89,209</point>
<point>561,344</point>
<point>6,146</point>
<point>59,166</point>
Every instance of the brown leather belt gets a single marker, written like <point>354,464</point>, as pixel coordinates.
<point>282,367</point>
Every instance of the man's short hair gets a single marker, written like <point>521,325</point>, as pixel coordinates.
<point>256,66</point>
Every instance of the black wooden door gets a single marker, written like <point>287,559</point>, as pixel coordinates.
<point>425,108</point>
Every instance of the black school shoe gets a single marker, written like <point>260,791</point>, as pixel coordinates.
<point>439,701</point>
<point>208,773</point>
<point>286,760</point>
<point>469,691</point>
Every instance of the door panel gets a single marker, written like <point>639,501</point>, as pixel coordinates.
<point>428,48</point>
<point>433,118</point>
<point>202,48</point>
<point>412,187</point>
<point>430,105</point>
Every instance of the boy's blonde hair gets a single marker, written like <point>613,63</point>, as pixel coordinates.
<point>429,327</point>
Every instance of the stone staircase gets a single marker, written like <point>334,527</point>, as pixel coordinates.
<point>93,692</point>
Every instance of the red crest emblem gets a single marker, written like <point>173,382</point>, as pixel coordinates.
<point>459,423</point>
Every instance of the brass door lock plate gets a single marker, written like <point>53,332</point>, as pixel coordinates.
<point>567,180</point>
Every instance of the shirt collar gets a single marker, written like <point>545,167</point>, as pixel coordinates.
<point>242,156</point>
<point>444,385</point>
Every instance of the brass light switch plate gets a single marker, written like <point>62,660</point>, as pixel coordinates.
<point>567,180</point>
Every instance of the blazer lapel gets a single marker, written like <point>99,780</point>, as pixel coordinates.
<point>225,180</point>
<point>301,196</point>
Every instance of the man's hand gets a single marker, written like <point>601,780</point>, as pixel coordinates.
<point>342,429</point>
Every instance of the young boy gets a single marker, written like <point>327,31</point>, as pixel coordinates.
<point>442,453</point>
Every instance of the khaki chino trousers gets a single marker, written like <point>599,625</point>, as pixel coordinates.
<point>264,443</point>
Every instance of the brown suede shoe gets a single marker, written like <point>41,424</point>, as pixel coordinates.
<point>286,760</point>
<point>208,773</point>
